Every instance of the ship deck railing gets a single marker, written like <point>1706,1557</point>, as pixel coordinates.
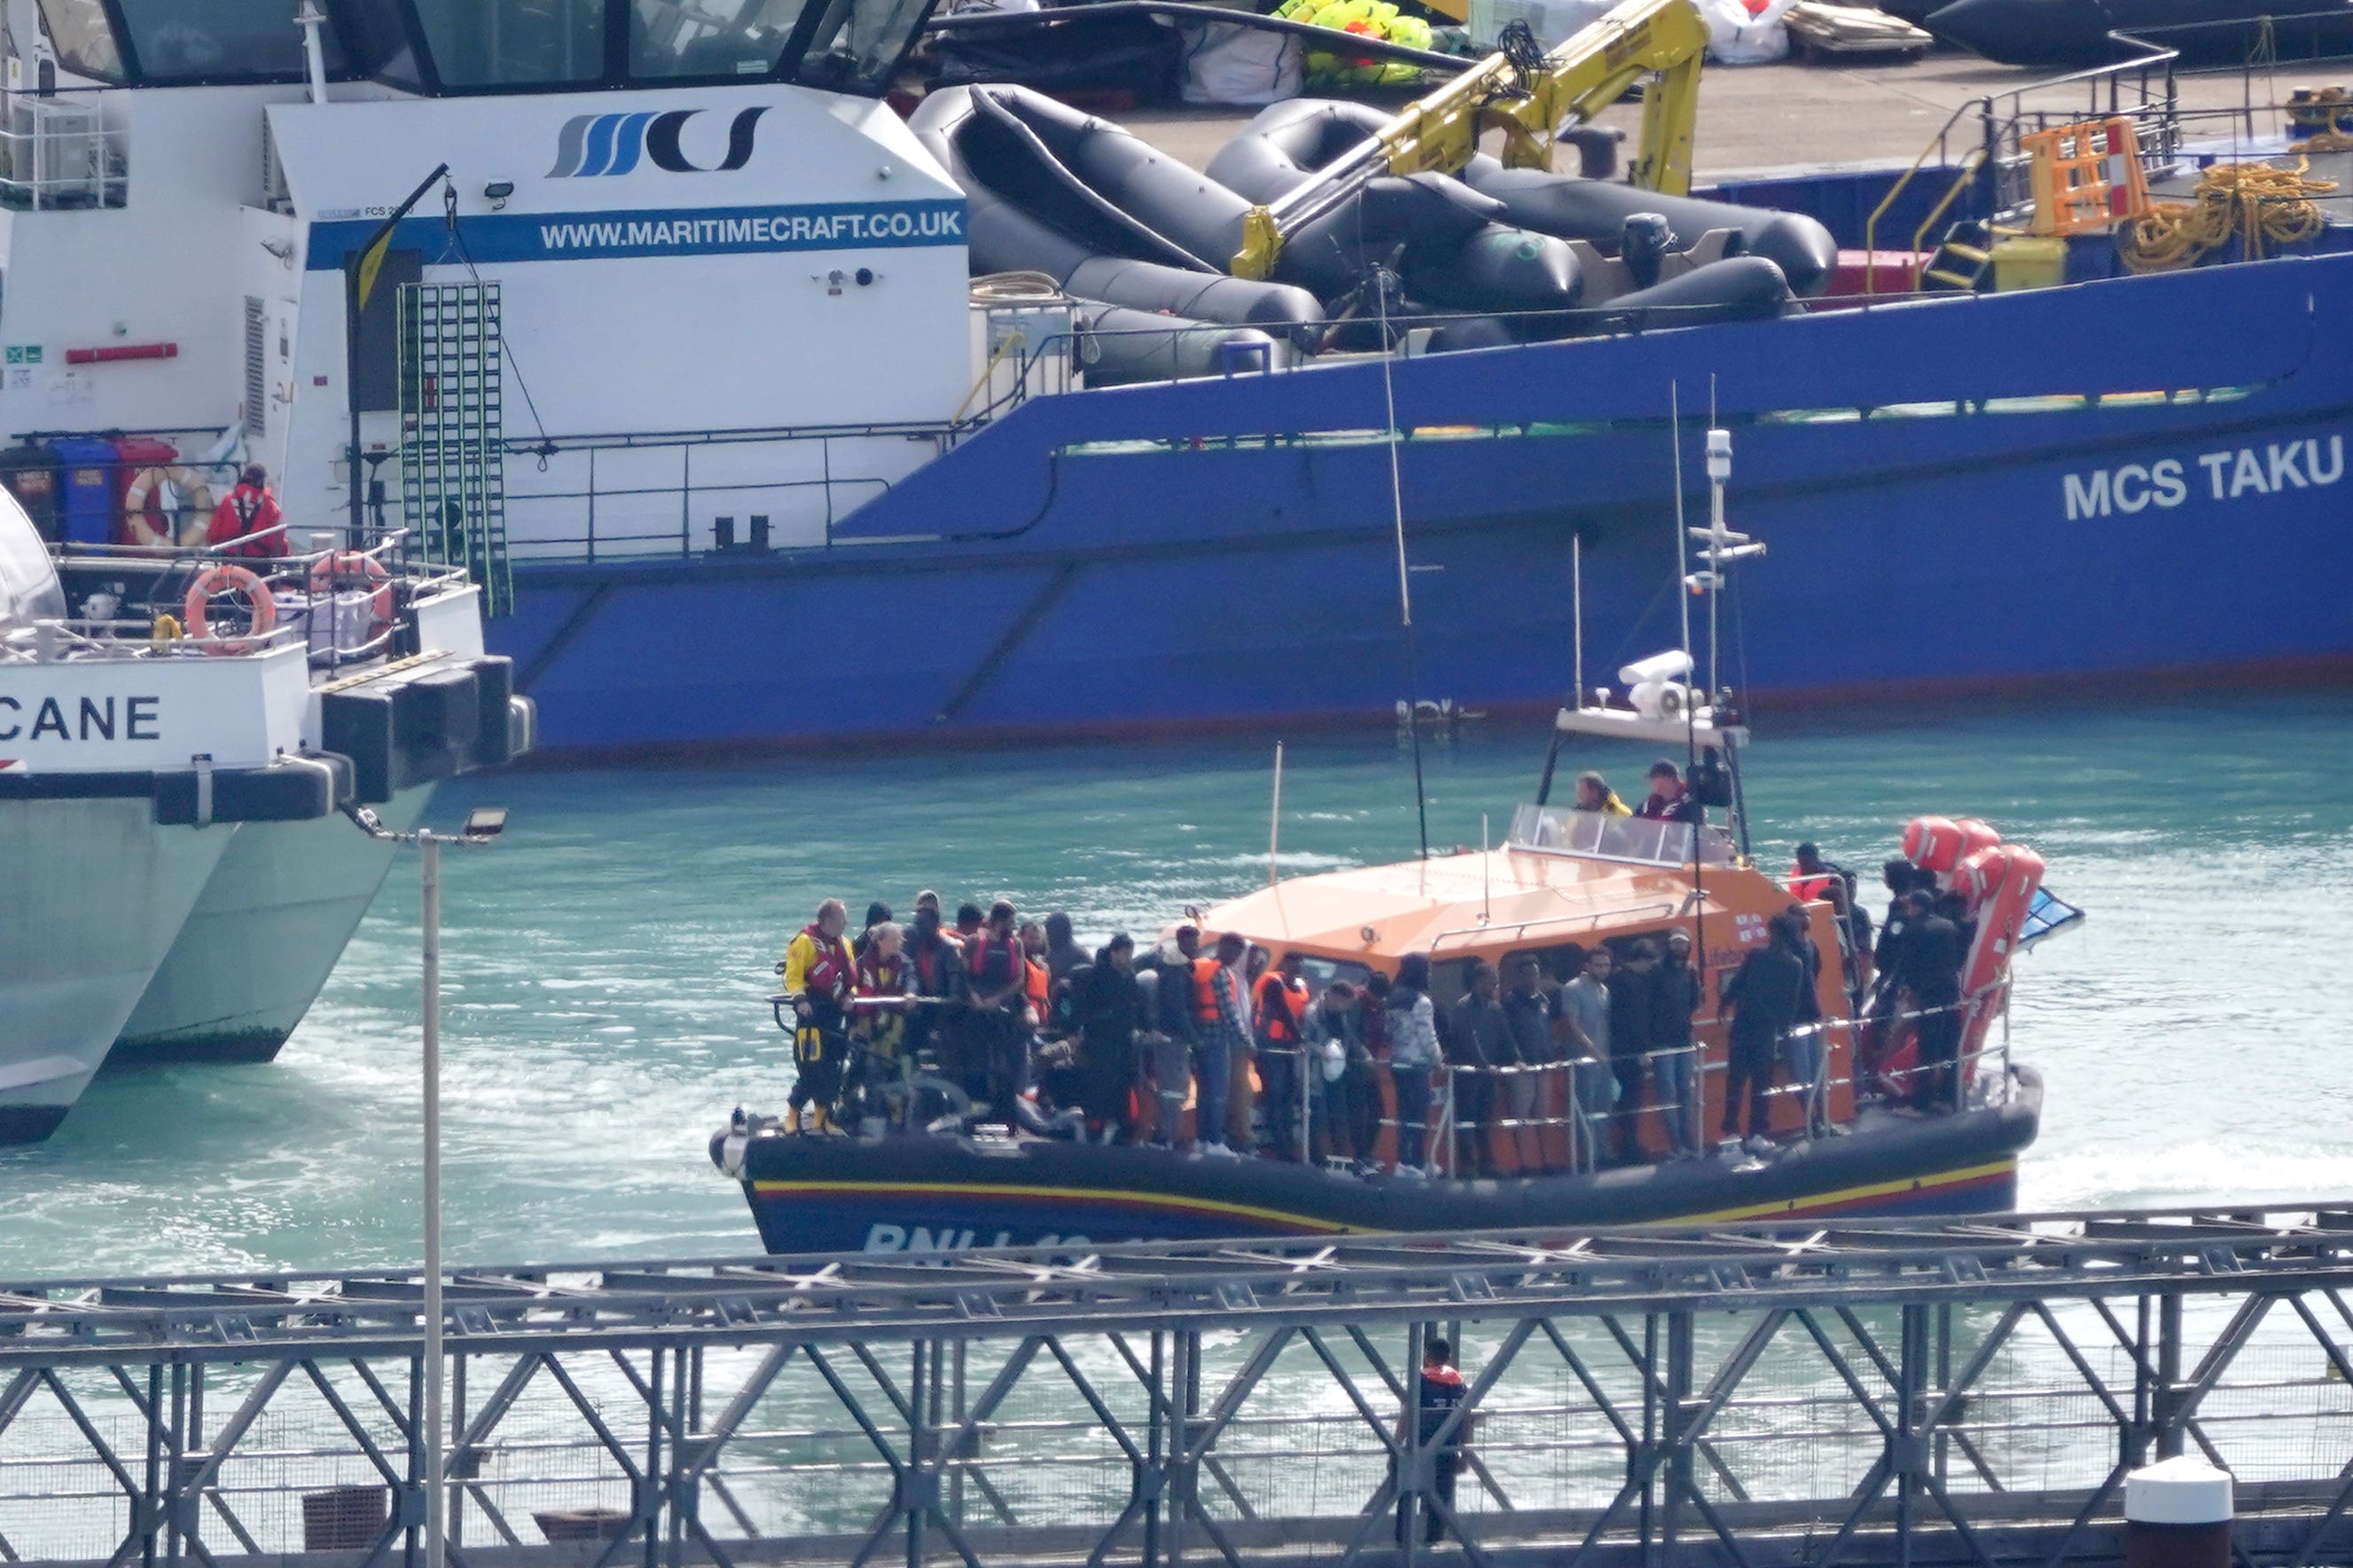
<point>62,149</point>
<point>348,632</point>
<point>1979,162</point>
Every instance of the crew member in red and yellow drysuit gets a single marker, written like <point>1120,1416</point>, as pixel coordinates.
<point>818,974</point>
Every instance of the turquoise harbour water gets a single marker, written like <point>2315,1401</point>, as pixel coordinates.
<point>607,959</point>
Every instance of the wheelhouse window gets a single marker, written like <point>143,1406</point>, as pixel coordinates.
<point>858,43</point>
<point>514,43</point>
<point>220,40</point>
<point>84,39</point>
<point>671,39</point>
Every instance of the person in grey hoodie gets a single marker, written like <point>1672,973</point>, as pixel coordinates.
<point>1413,1056</point>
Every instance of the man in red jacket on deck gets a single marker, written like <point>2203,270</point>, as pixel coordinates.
<point>245,511</point>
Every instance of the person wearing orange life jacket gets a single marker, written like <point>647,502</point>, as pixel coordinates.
<point>1279,1012</point>
<point>1037,987</point>
<point>246,511</point>
<point>1222,1031</point>
<point>997,983</point>
<point>819,974</point>
<point>1812,876</point>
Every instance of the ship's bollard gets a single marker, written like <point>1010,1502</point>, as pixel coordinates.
<point>2178,1515</point>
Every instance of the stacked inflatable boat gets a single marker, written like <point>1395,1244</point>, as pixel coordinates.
<point>1491,256</point>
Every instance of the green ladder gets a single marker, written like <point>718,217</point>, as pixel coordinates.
<point>453,493</point>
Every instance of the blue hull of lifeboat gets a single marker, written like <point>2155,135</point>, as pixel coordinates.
<point>814,1194</point>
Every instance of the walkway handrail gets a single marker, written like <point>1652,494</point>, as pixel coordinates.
<point>2001,131</point>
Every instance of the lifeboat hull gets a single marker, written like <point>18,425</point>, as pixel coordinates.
<point>813,1195</point>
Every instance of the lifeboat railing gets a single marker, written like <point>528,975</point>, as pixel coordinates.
<point>1585,1126</point>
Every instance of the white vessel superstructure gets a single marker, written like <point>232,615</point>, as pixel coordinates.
<point>652,220</point>
<point>171,791</point>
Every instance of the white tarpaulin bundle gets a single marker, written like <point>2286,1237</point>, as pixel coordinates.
<point>1249,66</point>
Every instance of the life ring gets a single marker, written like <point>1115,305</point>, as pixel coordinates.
<point>226,579</point>
<point>148,514</point>
<point>329,572</point>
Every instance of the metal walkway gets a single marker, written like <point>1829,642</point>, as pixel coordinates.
<point>1880,1392</point>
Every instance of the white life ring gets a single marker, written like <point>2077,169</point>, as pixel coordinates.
<point>332,573</point>
<point>226,579</point>
<point>148,511</point>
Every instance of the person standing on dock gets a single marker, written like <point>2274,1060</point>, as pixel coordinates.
<point>819,975</point>
<point>1439,1393</point>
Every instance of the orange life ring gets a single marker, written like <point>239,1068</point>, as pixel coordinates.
<point>331,572</point>
<point>228,579</point>
<point>151,528</point>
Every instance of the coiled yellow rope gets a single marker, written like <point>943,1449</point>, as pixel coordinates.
<point>2270,206</point>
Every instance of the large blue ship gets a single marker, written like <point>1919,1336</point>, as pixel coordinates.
<point>681,353</point>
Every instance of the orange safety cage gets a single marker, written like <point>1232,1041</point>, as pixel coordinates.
<point>2087,176</point>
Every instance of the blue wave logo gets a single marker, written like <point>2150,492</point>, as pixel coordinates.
<point>614,143</point>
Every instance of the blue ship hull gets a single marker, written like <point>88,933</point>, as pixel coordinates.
<point>2108,483</point>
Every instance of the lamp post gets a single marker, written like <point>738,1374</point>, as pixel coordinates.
<point>483,825</point>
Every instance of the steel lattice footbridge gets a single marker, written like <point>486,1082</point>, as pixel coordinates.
<point>1870,1392</point>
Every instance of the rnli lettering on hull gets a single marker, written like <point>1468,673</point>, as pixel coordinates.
<point>948,1239</point>
<point>2230,475</point>
<point>79,719</point>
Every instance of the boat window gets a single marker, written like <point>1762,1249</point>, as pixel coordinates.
<point>1319,972</point>
<point>1564,830</point>
<point>858,43</point>
<point>514,43</point>
<point>1449,982</point>
<point>84,39</point>
<point>677,38</point>
<point>374,34</point>
<point>1560,963</point>
<point>217,40</point>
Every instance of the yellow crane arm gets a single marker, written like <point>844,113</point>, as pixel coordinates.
<point>1439,132</point>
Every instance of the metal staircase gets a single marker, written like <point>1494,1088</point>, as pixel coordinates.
<point>1963,262</point>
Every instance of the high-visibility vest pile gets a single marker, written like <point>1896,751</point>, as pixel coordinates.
<point>1366,18</point>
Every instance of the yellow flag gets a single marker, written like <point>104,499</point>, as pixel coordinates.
<point>372,263</point>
